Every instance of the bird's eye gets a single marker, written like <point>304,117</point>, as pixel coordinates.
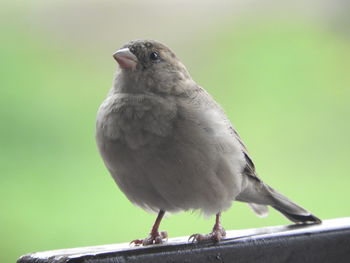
<point>154,56</point>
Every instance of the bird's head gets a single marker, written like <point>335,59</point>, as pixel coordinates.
<point>149,66</point>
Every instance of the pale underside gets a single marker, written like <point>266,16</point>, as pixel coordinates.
<point>171,154</point>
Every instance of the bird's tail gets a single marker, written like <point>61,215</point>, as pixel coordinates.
<point>290,209</point>
<point>260,194</point>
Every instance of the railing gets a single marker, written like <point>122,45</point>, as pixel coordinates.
<point>326,242</point>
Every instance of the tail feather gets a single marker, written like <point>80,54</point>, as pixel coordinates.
<point>290,209</point>
<point>300,219</point>
<point>258,195</point>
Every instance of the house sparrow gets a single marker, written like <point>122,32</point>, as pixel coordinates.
<point>170,147</point>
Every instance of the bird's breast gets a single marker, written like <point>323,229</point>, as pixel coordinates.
<point>136,120</point>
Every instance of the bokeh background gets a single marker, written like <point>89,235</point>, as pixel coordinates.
<point>280,69</point>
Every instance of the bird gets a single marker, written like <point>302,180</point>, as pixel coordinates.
<point>170,147</point>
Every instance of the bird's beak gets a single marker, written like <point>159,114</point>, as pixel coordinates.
<point>125,58</point>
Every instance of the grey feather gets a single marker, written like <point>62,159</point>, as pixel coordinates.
<point>259,193</point>
<point>169,146</point>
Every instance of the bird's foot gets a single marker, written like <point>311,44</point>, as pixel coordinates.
<point>216,235</point>
<point>153,238</point>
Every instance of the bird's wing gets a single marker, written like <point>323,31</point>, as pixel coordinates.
<point>206,99</point>
<point>249,169</point>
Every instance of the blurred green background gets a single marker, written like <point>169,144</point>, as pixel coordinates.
<point>280,70</point>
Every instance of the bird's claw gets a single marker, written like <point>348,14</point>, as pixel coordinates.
<point>195,237</point>
<point>153,238</point>
<point>136,242</point>
<point>216,235</point>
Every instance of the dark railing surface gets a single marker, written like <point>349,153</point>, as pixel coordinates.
<point>326,242</point>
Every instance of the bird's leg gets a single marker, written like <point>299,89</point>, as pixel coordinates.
<point>154,237</point>
<point>215,235</point>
